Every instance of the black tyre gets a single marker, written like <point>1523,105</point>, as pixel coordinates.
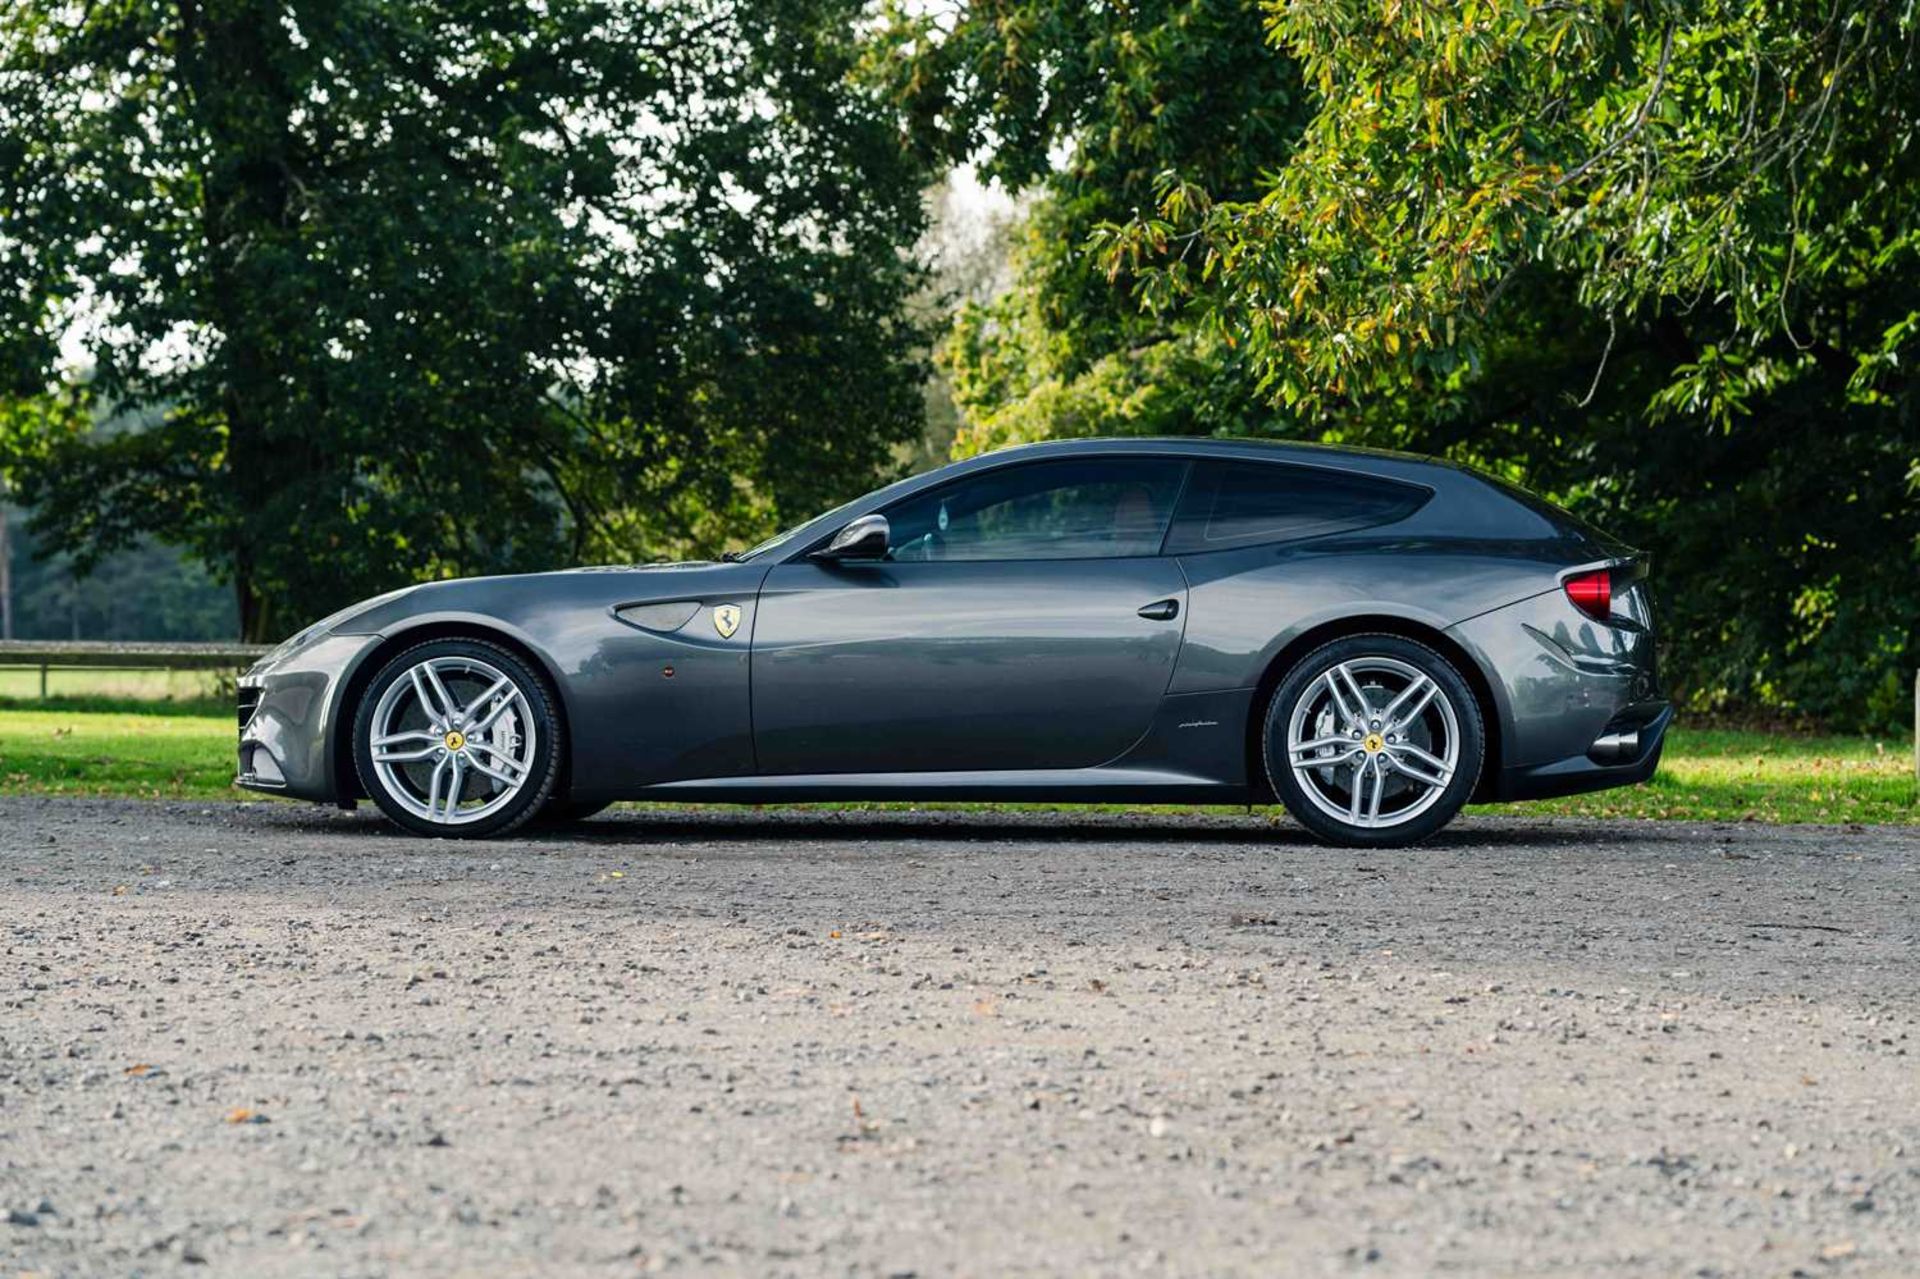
<point>561,811</point>
<point>458,738</point>
<point>1373,741</point>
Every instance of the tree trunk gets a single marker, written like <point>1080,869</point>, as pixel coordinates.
<point>6,579</point>
<point>254,613</point>
<point>230,63</point>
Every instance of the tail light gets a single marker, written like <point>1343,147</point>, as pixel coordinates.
<point>1592,593</point>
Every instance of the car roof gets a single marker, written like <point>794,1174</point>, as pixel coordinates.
<point>1384,462</point>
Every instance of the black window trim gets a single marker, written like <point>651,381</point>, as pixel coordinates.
<point>1192,462</point>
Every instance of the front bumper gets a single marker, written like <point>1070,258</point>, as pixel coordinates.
<point>288,714</point>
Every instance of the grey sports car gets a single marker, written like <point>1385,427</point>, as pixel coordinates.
<point>1374,639</point>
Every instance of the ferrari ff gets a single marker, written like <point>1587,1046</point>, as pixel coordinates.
<point>1372,639</point>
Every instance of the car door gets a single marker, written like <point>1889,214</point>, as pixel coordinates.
<point>1024,618</point>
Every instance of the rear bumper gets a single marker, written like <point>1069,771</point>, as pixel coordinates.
<point>1645,725</point>
<point>1578,700</point>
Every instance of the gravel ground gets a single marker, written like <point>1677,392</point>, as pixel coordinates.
<point>274,1040</point>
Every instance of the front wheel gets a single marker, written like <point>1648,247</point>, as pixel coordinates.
<point>1373,741</point>
<point>457,738</point>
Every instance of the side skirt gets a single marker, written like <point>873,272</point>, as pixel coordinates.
<point>1036,785</point>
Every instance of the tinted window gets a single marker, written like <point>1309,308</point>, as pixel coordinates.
<point>1097,508</point>
<point>1240,504</point>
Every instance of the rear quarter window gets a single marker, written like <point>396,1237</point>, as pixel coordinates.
<point>1247,503</point>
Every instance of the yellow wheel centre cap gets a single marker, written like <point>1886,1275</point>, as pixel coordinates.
<point>1374,743</point>
<point>456,740</point>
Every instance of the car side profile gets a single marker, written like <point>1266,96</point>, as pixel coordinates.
<point>1372,639</point>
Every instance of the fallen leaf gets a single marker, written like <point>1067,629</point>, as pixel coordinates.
<point>138,1068</point>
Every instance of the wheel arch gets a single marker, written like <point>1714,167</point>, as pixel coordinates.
<point>346,778</point>
<point>1378,624</point>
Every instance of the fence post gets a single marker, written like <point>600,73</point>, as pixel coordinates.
<point>43,683</point>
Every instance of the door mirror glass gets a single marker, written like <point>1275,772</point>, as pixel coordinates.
<point>867,538</point>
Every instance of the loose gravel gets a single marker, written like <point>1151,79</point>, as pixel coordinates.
<point>261,1039</point>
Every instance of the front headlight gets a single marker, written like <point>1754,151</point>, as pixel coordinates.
<point>311,635</point>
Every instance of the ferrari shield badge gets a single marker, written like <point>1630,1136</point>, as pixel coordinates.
<point>726,619</point>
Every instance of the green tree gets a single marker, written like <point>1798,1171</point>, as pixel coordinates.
<point>143,592</point>
<point>1086,106</point>
<point>1751,156</point>
<point>365,291</point>
<point>1657,260</point>
<point>1695,227</point>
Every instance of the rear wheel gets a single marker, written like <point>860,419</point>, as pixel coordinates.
<point>1373,741</point>
<point>457,738</point>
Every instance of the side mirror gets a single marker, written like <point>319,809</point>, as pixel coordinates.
<point>867,538</point>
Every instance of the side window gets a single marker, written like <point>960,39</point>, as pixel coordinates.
<point>1246,503</point>
<point>1093,508</point>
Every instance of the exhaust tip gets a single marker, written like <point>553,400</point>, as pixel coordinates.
<point>1615,748</point>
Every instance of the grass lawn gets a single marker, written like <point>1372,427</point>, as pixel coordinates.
<point>1719,775</point>
<point>186,751</point>
<point>80,751</point>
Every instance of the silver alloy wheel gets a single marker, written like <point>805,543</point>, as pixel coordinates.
<point>1373,742</point>
<point>452,740</point>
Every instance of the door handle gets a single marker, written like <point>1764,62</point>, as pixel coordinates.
<point>1161,610</point>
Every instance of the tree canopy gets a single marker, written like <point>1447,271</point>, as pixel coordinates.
<point>346,294</point>
<point>1751,157</point>
<point>1091,104</point>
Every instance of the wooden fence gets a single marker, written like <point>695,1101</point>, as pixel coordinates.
<point>113,655</point>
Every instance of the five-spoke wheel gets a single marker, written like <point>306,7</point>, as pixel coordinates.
<point>1373,740</point>
<point>457,737</point>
